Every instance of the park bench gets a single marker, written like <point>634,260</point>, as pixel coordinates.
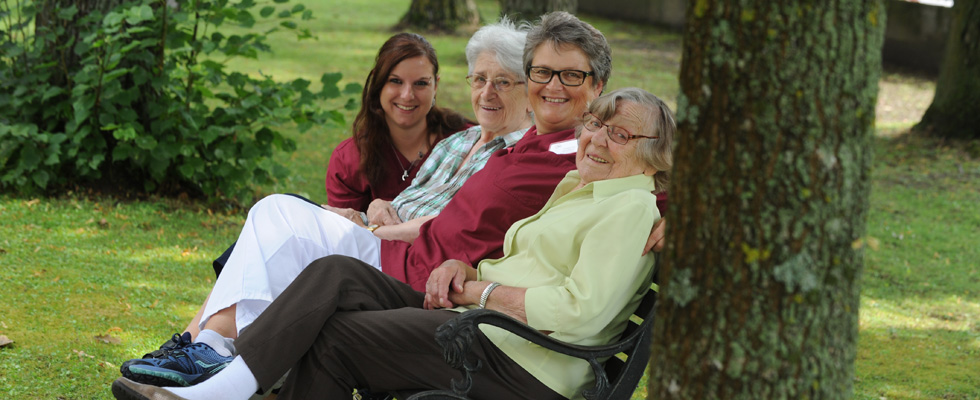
<point>617,378</point>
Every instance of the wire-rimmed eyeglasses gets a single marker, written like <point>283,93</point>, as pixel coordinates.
<point>618,135</point>
<point>500,84</point>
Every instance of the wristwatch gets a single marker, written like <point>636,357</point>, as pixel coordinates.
<point>372,227</point>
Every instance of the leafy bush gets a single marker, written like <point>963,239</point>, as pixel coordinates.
<point>138,96</point>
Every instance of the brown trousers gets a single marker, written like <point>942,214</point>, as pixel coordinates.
<point>343,324</point>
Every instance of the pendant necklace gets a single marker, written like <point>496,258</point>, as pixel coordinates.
<point>410,165</point>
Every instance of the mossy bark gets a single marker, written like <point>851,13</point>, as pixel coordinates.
<point>440,15</point>
<point>769,198</point>
<point>955,109</point>
<point>531,10</point>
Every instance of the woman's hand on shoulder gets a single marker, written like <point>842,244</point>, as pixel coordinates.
<point>380,212</point>
<point>657,235</point>
<point>449,276</point>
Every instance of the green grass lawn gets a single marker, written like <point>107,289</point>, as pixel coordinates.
<point>89,281</point>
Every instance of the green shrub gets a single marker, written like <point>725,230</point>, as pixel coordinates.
<point>138,97</point>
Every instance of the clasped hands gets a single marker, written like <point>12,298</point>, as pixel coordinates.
<point>452,284</point>
<point>380,212</point>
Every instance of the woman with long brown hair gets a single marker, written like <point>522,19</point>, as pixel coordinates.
<point>397,126</point>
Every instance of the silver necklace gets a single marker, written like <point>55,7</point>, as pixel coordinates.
<point>410,165</point>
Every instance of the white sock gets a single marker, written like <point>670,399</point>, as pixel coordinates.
<point>220,344</point>
<point>236,381</point>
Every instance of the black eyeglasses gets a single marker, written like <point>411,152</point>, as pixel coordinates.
<point>500,84</point>
<point>618,135</point>
<point>568,77</point>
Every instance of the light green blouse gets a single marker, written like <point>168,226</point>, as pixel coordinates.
<point>580,258</point>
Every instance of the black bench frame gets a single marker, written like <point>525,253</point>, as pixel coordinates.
<point>617,379</point>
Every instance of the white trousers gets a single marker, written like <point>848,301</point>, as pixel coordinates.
<point>281,236</point>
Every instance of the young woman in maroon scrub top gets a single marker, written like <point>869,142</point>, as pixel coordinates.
<point>397,126</point>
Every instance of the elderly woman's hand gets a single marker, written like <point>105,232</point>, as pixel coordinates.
<point>380,212</point>
<point>450,275</point>
<point>657,234</point>
<point>349,213</point>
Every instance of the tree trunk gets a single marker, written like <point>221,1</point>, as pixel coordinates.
<point>440,15</point>
<point>955,109</point>
<point>760,294</point>
<point>530,10</point>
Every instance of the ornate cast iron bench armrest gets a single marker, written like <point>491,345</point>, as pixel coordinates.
<point>617,379</point>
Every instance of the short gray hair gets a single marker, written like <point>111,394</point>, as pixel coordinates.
<point>656,153</point>
<point>505,41</point>
<point>562,28</point>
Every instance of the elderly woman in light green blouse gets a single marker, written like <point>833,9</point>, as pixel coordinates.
<point>573,270</point>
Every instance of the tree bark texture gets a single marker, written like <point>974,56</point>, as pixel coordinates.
<point>955,109</point>
<point>531,10</point>
<point>760,281</point>
<point>440,15</point>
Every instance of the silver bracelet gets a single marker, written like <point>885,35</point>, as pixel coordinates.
<point>486,293</point>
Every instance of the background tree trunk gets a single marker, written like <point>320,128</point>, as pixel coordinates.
<point>440,15</point>
<point>955,109</point>
<point>530,10</point>
<point>769,200</point>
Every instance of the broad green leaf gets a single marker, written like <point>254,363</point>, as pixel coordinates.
<point>122,152</point>
<point>126,133</point>
<point>352,88</point>
<point>40,178</point>
<point>267,11</point>
<point>251,101</point>
<point>246,19</point>
<point>68,13</point>
<point>146,142</point>
<point>138,14</point>
<point>51,92</point>
<point>95,161</point>
<point>30,157</point>
<point>83,108</point>
<point>329,81</point>
<point>112,19</point>
<point>112,75</point>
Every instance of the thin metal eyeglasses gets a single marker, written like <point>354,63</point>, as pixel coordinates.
<point>568,77</point>
<point>500,83</point>
<point>615,133</point>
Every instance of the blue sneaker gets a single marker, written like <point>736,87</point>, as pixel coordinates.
<point>181,366</point>
<point>175,342</point>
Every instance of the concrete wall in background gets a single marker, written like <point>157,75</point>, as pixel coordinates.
<point>915,35</point>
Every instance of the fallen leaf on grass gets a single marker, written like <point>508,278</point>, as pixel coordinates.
<point>33,202</point>
<point>82,354</point>
<point>108,339</point>
<point>5,341</point>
